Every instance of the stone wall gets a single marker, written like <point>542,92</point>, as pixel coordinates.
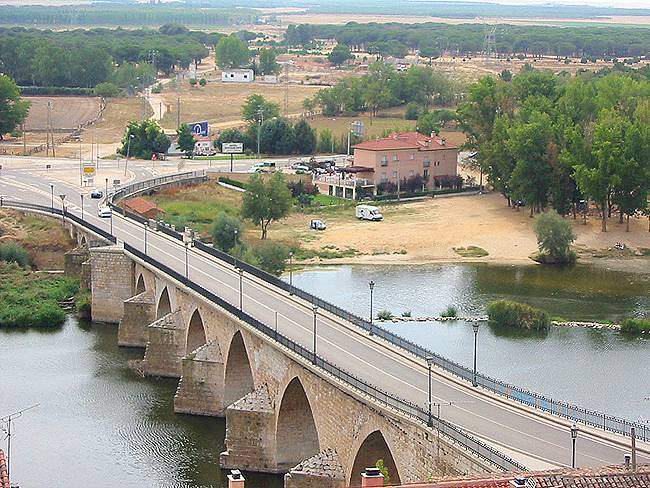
<point>73,261</point>
<point>111,282</point>
<point>139,312</point>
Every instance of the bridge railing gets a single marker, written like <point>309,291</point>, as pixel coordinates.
<point>153,183</point>
<point>458,436</point>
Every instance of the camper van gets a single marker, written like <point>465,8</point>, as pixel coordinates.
<point>368,212</point>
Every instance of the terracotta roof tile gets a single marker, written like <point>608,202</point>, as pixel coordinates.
<point>405,140</point>
<point>140,205</point>
<point>4,476</point>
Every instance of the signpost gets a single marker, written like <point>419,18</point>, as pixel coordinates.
<point>200,128</point>
<point>89,172</point>
<point>232,148</point>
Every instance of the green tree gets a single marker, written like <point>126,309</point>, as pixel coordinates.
<point>305,137</point>
<point>233,135</point>
<point>554,238</point>
<point>266,202</point>
<point>231,52</point>
<point>428,124</point>
<point>339,55</point>
<point>106,89</point>
<point>268,64</point>
<point>226,232</point>
<point>257,108</point>
<point>186,139</point>
<point>277,136</point>
<point>143,139</point>
<point>309,106</point>
<point>325,141</point>
<point>13,110</point>
<point>271,257</point>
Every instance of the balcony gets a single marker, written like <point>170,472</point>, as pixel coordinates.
<point>346,182</point>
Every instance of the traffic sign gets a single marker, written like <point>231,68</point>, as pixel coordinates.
<point>200,128</point>
<point>232,147</point>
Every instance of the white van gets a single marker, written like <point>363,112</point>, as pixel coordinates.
<point>368,212</point>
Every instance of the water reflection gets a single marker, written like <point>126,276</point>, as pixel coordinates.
<point>99,424</point>
<point>598,369</point>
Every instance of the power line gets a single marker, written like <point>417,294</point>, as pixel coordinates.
<point>7,430</point>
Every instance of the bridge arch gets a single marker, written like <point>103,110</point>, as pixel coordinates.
<point>296,434</point>
<point>196,336</point>
<point>164,304</point>
<point>140,286</point>
<point>238,376</point>
<point>373,448</point>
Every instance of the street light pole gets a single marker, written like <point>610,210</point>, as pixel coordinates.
<point>187,262</point>
<point>241,289</point>
<point>62,197</point>
<point>429,361</point>
<point>574,436</point>
<point>372,287</point>
<point>145,238</point>
<point>106,187</point>
<point>128,151</point>
<point>290,272</point>
<point>315,309</point>
<point>52,193</point>
<point>82,206</point>
<point>475,326</point>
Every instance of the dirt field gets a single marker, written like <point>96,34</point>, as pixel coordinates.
<point>428,231</point>
<point>67,112</point>
<point>220,103</point>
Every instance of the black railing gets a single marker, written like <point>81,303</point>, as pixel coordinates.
<point>153,183</point>
<point>450,430</point>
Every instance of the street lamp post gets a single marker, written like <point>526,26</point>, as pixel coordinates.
<point>145,238</point>
<point>187,262</point>
<point>62,197</point>
<point>241,288</point>
<point>52,193</point>
<point>574,436</point>
<point>106,187</point>
<point>315,310</point>
<point>429,362</point>
<point>290,272</point>
<point>475,326</point>
<point>128,151</point>
<point>82,206</point>
<point>372,287</point>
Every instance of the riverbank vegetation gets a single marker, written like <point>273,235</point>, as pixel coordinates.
<point>504,313</point>
<point>635,326</point>
<point>554,238</point>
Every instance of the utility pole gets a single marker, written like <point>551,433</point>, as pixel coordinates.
<point>7,421</point>
<point>178,111</point>
<point>286,89</point>
<point>24,139</point>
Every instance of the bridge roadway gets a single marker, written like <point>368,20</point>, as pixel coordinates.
<point>537,441</point>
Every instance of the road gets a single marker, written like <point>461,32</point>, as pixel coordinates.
<point>531,439</point>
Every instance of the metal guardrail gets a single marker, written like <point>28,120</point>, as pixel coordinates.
<point>563,409</point>
<point>153,183</point>
<point>459,436</point>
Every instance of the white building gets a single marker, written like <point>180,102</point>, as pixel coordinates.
<point>238,75</point>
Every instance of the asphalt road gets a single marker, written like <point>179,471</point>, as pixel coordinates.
<point>530,439</point>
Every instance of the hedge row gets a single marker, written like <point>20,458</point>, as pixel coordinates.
<point>230,181</point>
<point>55,90</point>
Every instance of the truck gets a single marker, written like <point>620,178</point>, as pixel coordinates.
<point>368,212</point>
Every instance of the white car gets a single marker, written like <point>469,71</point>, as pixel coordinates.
<point>104,212</point>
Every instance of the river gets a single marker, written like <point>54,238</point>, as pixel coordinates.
<point>597,369</point>
<point>98,423</point>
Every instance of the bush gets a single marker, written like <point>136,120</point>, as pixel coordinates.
<point>107,90</point>
<point>83,305</point>
<point>157,88</point>
<point>504,313</point>
<point>203,82</point>
<point>230,181</point>
<point>635,326</point>
<point>412,111</point>
<point>14,253</point>
<point>554,238</point>
<point>193,81</point>
<point>55,90</point>
<point>406,313</point>
<point>450,311</point>
<point>271,257</point>
<point>226,232</point>
<point>385,315</point>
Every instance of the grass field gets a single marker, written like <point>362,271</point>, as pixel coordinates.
<point>67,112</point>
<point>220,103</point>
<point>118,112</point>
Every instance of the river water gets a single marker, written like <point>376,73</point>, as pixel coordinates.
<point>98,424</point>
<point>597,369</point>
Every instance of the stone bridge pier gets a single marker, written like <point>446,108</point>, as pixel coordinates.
<point>283,415</point>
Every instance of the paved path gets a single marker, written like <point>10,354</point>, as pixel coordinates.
<point>532,439</point>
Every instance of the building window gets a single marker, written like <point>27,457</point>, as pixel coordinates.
<point>412,173</point>
<point>384,160</point>
<point>383,179</point>
<point>412,156</point>
<point>395,158</point>
<point>394,174</point>
<point>427,163</point>
<point>425,173</point>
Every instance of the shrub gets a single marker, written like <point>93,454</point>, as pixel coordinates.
<point>83,304</point>
<point>406,313</point>
<point>157,88</point>
<point>193,81</point>
<point>271,257</point>
<point>450,311</point>
<point>230,181</point>
<point>385,315</point>
<point>412,111</point>
<point>504,313</point>
<point>226,232</point>
<point>635,326</point>
<point>14,253</point>
<point>203,82</point>
<point>554,238</point>
<point>107,90</point>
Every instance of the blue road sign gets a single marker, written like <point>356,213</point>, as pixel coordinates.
<point>200,128</point>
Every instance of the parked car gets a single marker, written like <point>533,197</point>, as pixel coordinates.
<point>263,167</point>
<point>317,224</point>
<point>96,193</point>
<point>104,212</point>
<point>300,167</point>
<point>368,212</point>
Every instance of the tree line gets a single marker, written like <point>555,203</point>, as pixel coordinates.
<point>432,39</point>
<point>85,58</point>
<point>561,141</point>
<point>383,86</point>
<point>123,14</point>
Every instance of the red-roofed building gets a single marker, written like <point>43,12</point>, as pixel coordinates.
<point>142,207</point>
<point>4,474</point>
<point>394,159</point>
